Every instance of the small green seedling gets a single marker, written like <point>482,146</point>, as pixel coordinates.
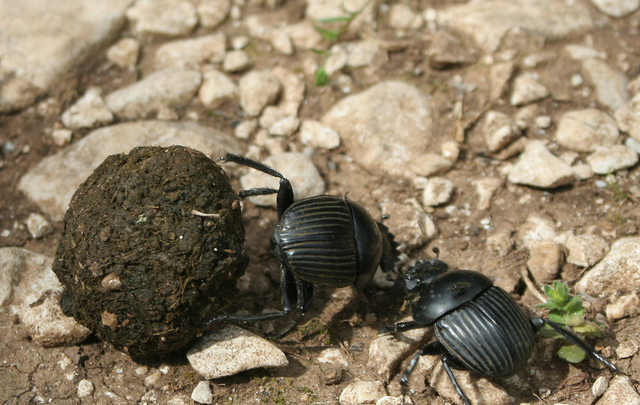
<point>332,35</point>
<point>567,310</point>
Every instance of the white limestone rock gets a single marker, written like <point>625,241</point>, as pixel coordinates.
<point>538,167</point>
<point>231,350</point>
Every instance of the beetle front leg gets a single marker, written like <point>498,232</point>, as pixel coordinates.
<point>431,348</point>
<point>295,295</point>
<point>402,327</point>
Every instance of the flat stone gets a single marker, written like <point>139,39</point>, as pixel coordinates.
<point>545,259</point>
<point>625,306</point>
<point>411,226</point>
<point>614,158</point>
<point>587,130</point>
<point>202,393</point>
<point>584,250</point>
<point>231,350</point>
<point>617,8</point>
<point>362,392</point>
<point>386,352</point>
<point>478,390</point>
<point>538,167</point>
<point>387,127</point>
<point>169,87</point>
<point>124,53</point>
<point>318,136</point>
<point>527,89</point>
<point>25,277</point>
<point>367,52</point>
<point>285,127</point>
<point>610,84</point>
<point>620,391</point>
<point>191,53</point>
<point>89,111</point>
<point>237,61</point>
<point>38,226</point>
<point>217,89</point>
<point>437,192</point>
<point>162,17</point>
<point>257,90</point>
<point>628,117</point>
<point>486,188</point>
<point>48,326</point>
<point>213,12</point>
<point>296,167</point>
<point>53,181</point>
<point>488,22</point>
<point>292,93</point>
<point>36,52</point>
<point>617,272</point>
<point>447,51</point>
<point>499,130</point>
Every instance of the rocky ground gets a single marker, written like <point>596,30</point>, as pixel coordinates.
<point>505,132</point>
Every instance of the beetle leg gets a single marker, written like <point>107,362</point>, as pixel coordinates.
<point>573,338</point>
<point>295,295</point>
<point>447,367</point>
<point>402,327</point>
<point>431,348</point>
<point>285,192</point>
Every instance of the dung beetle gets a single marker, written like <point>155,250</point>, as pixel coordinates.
<point>478,326</point>
<point>322,240</point>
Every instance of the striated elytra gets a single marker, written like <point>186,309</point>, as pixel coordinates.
<point>321,240</point>
<point>478,326</point>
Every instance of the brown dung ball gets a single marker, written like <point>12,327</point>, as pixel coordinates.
<point>152,248</point>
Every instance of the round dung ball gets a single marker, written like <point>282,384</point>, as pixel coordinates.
<point>152,248</point>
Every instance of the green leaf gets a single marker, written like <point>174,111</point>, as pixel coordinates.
<point>548,332</point>
<point>322,78</point>
<point>328,35</point>
<point>592,329</point>
<point>334,19</point>
<point>318,51</point>
<point>572,354</point>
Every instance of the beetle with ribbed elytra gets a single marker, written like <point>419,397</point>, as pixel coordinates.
<point>322,240</point>
<point>478,326</point>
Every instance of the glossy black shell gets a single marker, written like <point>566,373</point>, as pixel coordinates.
<point>328,240</point>
<point>446,292</point>
<point>490,334</point>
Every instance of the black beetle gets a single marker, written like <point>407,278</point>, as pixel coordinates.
<point>478,326</point>
<point>323,240</point>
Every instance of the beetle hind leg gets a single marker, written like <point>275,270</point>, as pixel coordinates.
<point>575,339</point>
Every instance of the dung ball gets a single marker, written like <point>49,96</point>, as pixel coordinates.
<point>152,248</point>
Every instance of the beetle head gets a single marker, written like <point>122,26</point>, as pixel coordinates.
<point>423,272</point>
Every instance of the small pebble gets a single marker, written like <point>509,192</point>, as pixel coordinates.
<point>85,388</point>
<point>202,394</point>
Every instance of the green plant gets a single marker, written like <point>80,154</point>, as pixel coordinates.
<point>567,310</point>
<point>332,35</point>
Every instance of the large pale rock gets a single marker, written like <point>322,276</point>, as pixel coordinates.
<point>617,272</point>
<point>296,167</point>
<point>617,8</point>
<point>386,127</point>
<point>608,160</point>
<point>191,53</point>
<point>478,390</point>
<point>540,168</point>
<point>52,182</point>
<point>488,22</point>
<point>257,90</point>
<point>628,117</point>
<point>162,17</point>
<point>231,350</point>
<point>169,88</point>
<point>362,392</point>
<point>90,110</point>
<point>386,352</point>
<point>586,130</point>
<point>35,50</point>
<point>610,84</point>
<point>30,286</point>
<point>620,391</point>
<point>583,250</point>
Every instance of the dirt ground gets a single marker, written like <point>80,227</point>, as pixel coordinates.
<point>32,374</point>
